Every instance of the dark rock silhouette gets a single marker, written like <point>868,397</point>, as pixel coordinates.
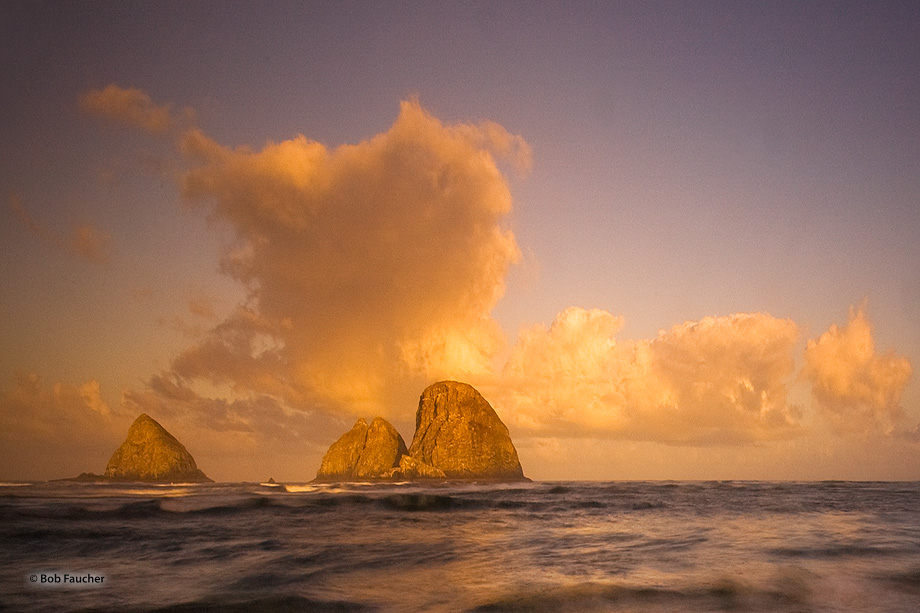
<point>364,452</point>
<point>83,477</point>
<point>150,453</point>
<point>458,432</point>
<point>457,436</point>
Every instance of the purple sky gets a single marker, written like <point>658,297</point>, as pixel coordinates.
<point>688,160</point>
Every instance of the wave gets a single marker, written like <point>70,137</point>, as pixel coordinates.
<point>104,502</point>
<point>299,489</point>
<point>726,595</point>
<point>908,580</point>
<point>843,550</point>
<point>88,502</point>
<point>178,508</point>
<point>269,604</point>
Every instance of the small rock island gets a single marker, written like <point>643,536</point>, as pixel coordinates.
<point>150,454</point>
<point>458,436</point>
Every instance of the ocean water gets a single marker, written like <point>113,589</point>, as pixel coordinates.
<point>563,546</point>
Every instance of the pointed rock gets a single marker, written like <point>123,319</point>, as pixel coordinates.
<point>364,452</point>
<point>458,432</point>
<point>382,450</point>
<point>342,457</point>
<point>150,453</point>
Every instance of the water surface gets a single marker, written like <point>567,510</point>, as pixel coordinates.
<point>573,546</point>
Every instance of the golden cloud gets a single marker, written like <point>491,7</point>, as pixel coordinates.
<point>129,106</point>
<point>372,267</point>
<point>39,426</point>
<point>251,437</point>
<point>719,380</point>
<point>856,388</point>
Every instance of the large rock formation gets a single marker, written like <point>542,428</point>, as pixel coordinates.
<point>342,457</point>
<point>150,453</point>
<point>457,436</point>
<point>458,432</point>
<point>410,469</point>
<point>364,452</point>
<point>382,450</point>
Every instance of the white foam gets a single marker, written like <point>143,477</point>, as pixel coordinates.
<point>301,488</point>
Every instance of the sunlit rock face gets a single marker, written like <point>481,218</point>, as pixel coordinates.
<point>457,436</point>
<point>150,453</point>
<point>457,431</point>
<point>364,452</point>
<point>382,450</point>
<point>342,457</point>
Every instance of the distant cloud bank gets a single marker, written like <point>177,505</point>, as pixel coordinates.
<point>719,380</point>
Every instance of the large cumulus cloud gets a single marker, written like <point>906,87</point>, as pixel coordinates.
<point>371,267</point>
<point>856,388</point>
<point>718,380</point>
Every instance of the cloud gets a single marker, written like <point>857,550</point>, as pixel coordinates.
<point>90,244</point>
<point>201,310</point>
<point>563,378</point>
<point>84,241</point>
<point>253,436</point>
<point>202,306</point>
<point>853,386</point>
<point>241,353</point>
<point>129,106</point>
<point>371,268</point>
<point>60,430</point>
<point>55,432</point>
<point>719,380</point>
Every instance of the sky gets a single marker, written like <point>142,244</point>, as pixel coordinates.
<point>665,240</point>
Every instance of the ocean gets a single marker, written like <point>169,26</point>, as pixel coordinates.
<point>543,546</point>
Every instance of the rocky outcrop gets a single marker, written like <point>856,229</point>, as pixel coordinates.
<point>342,457</point>
<point>458,432</point>
<point>457,436</point>
<point>382,451</point>
<point>150,453</point>
<point>364,452</point>
<point>410,469</point>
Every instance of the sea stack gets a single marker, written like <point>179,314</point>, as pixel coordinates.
<point>364,452</point>
<point>458,432</point>
<point>457,436</point>
<point>150,453</point>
